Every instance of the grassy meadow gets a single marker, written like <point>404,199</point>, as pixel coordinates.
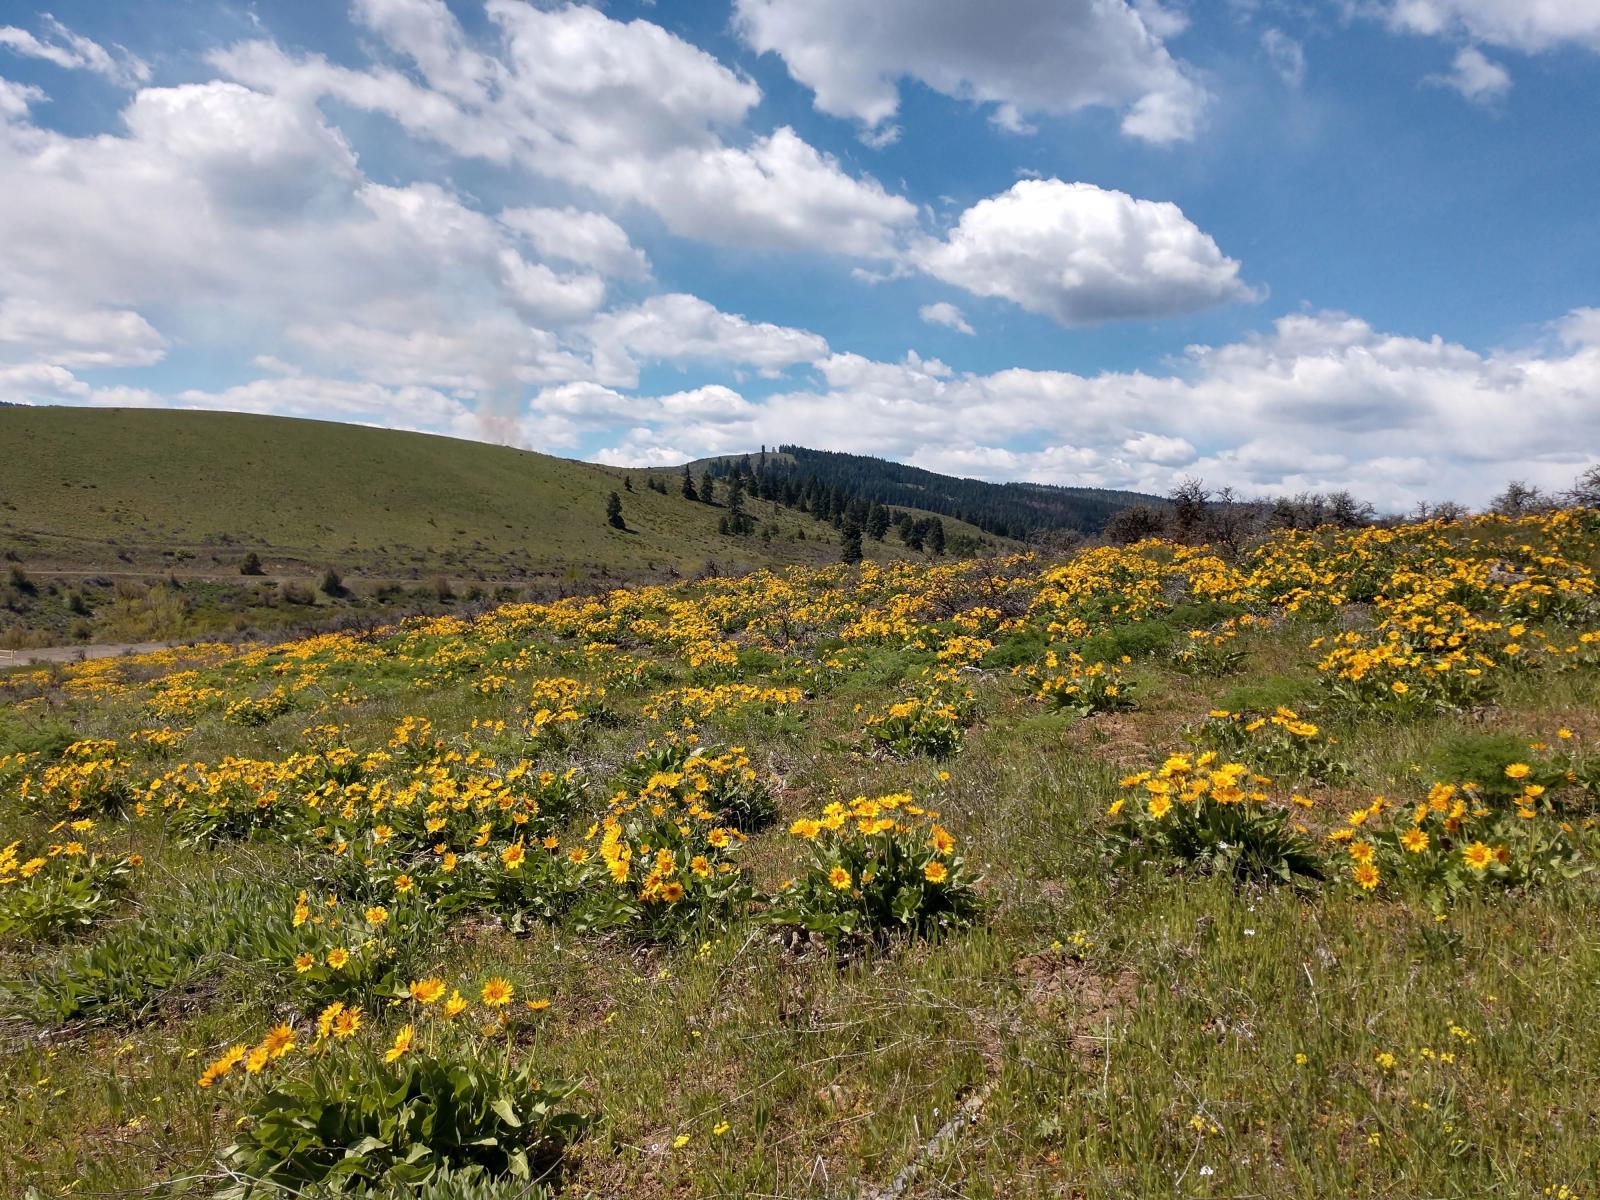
<point>1144,872</point>
<point>111,533</point>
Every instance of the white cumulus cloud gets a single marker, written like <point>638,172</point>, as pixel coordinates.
<point>1528,25</point>
<point>1321,401</point>
<point>77,337</point>
<point>1287,56</point>
<point>1082,254</point>
<point>1475,76</point>
<point>1022,56</point>
<point>946,314</point>
<point>624,110</point>
<point>587,239</point>
<point>675,327</point>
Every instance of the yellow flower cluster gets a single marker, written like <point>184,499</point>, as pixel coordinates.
<point>1189,779</point>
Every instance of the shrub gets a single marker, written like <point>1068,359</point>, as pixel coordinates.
<point>1134,639</point>
<point>1500,765</point>
<point>1209,652</point>
<point>660,863</point>
<point>89,778</point>
<point>1080,687</point>
<point>375,1117</point>
<point>133,965</point>
<point>1457,841</point>
<point>337,948</point>
<point>1200,815</point>
<point>68,888</point>
<point>874,867</point>
<point>1016,649</point>
<point>720,782</point>
<point>259,710</point>
<point>560,709</point>
<point>238,799</point>
<point>48,739</point>
<point>118,979</point>
<point>250,564</point>
<point>929,723</point>
<point>1284,744</point>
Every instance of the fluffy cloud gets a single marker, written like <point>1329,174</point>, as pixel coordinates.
<point>679,328</point>
<point>1529,25</point>
<point>30,383</point>
<point>77,337</point>
<point>1158,450</point>
<point>241,219</point>
<point>417,408</point>
<point>223,213</point>
<point>622,109</point>
<point>1023,56</point>
<point>1322,401</point>
<point>946,314</point>
<point>587,239</point>
<point>494,354</point>
<point>1475,76</point>
<point>74,52</point>
<point>1082,254</point>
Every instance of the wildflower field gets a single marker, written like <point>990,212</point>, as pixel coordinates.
<point>1146,872</point>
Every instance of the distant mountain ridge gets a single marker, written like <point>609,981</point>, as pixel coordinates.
<point>806,478</point>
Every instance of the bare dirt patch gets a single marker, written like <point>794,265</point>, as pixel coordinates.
<point>1061,985</point>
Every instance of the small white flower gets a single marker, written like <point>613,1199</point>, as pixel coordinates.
<point>1249,933</point>
<point>1208,1170</point>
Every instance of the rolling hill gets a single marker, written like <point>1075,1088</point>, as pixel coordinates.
<point>97,504</point>
<point>120,490</point>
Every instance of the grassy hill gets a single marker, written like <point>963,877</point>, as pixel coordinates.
<point>643,897</point>
<point>112,494</point>
<point>196,490</point>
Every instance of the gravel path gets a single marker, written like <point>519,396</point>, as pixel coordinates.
<point>71,654</point>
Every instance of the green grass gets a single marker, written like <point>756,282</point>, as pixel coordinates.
<point>200,489</point>
<point>93,498</point>
<point>1132,1033</point>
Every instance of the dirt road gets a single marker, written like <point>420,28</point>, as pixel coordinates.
<point>71,654</point>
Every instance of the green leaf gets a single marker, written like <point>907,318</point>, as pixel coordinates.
<point>503,1109</point>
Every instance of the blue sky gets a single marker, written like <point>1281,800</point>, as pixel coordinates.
<point>1279,244</point>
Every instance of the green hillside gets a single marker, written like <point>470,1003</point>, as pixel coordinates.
<point>161,488</point>
<point>95,504</point>
<point>801,477</point>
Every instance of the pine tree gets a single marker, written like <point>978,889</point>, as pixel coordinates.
<point>739,522</point>
<point>708,487</point>
<point>688,486</point>
<point>614,512</point>
<point>850,544</point>
<point>877,522</point>
<point>936,536</point>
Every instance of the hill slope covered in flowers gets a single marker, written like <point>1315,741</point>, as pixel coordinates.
<point>1145,872</point>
